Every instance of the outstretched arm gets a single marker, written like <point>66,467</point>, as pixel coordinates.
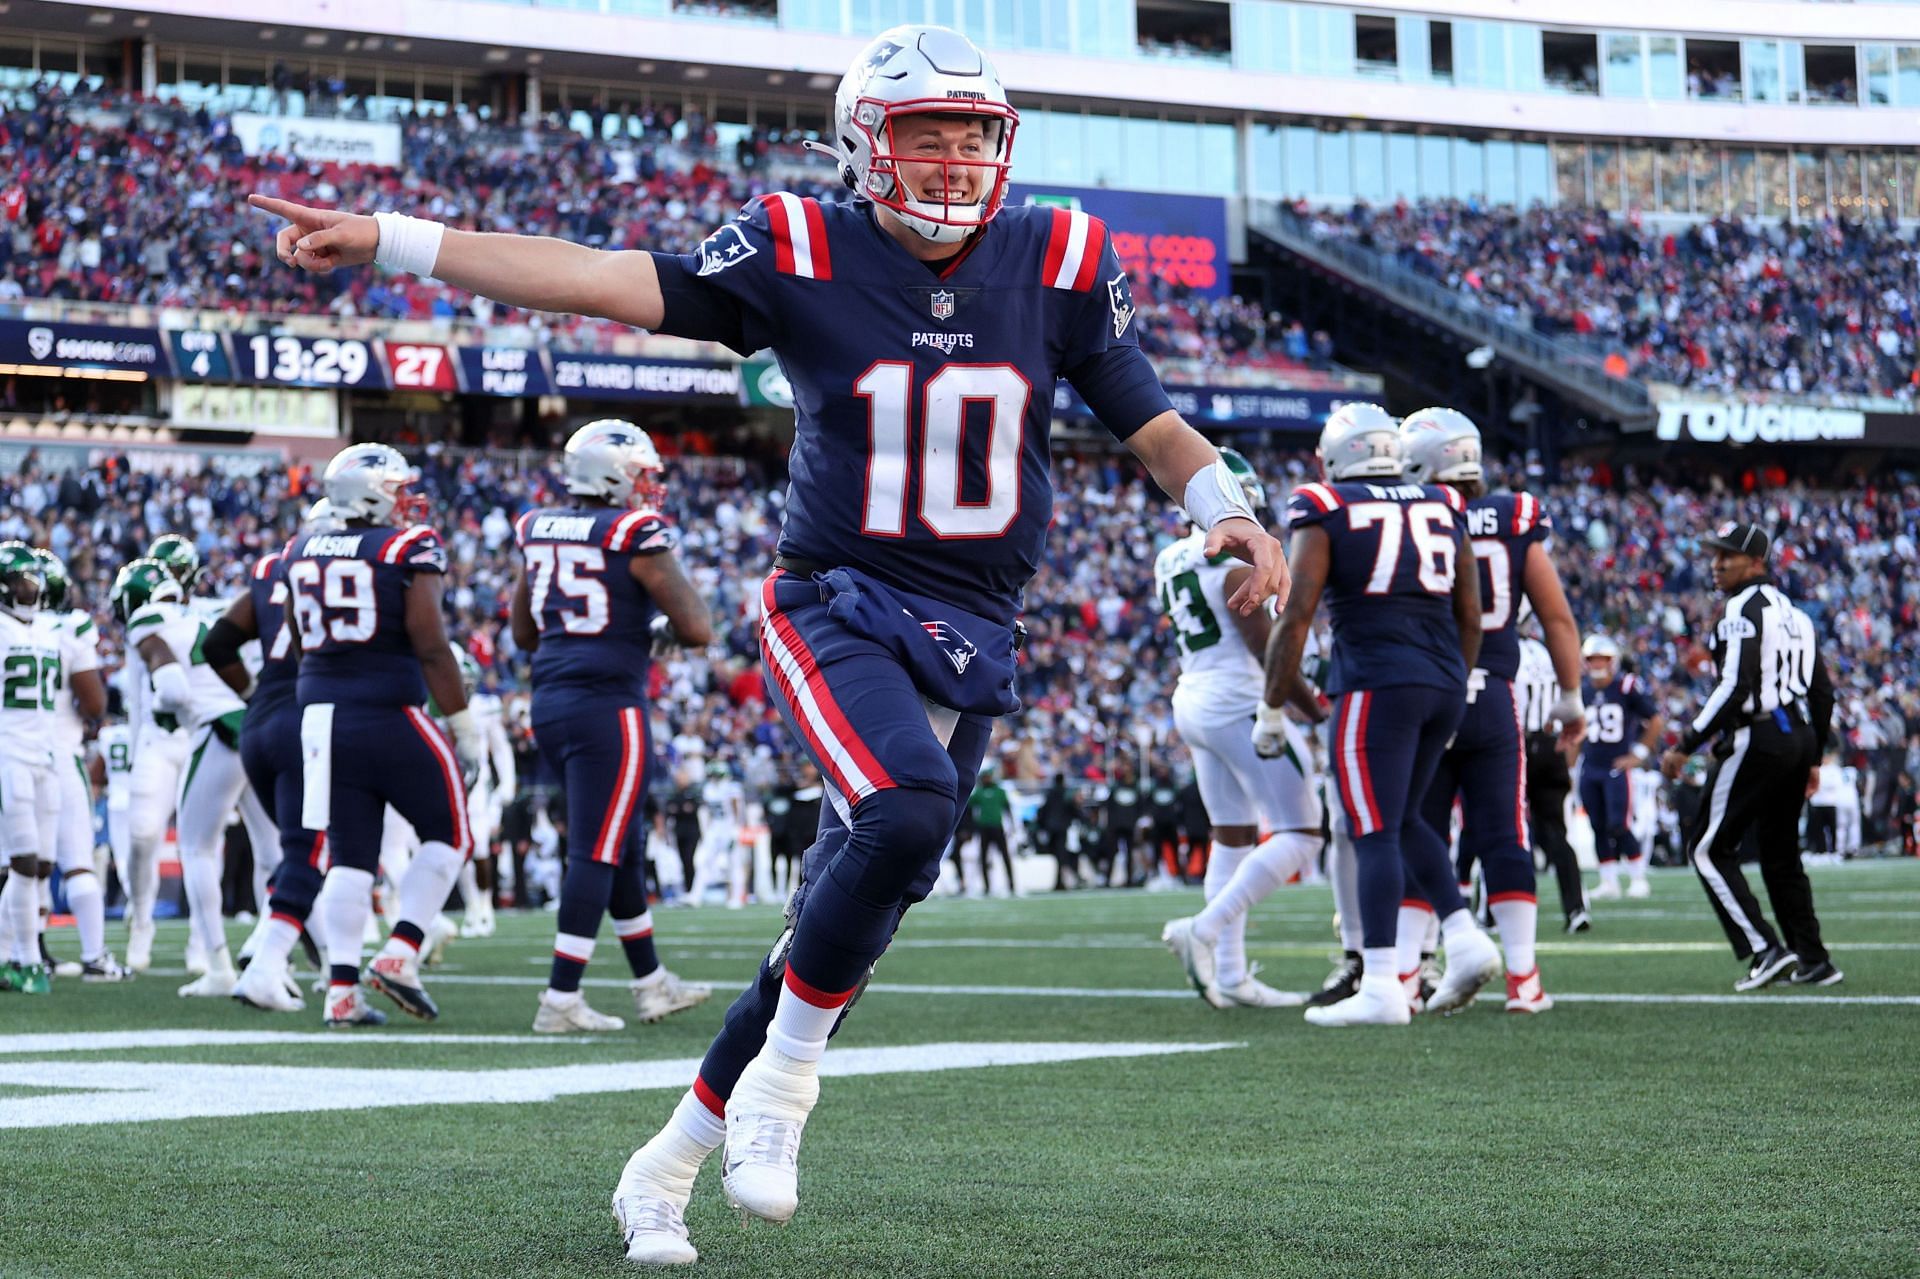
<point>1177,456</point>
<point>536,272</point>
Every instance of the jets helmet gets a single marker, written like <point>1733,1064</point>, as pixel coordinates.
<point>23,582</point>
<point>921,70</point>
<point>1442,446</point>
<point>369,482</point>
<point>59,585</point>
<point>1601,650</point>
<point>180,555</point>
<point>1360,442</point>
<point>142,582</point>
<point>1250,483</point>
<point>321,518</point>
<point>615,460</point>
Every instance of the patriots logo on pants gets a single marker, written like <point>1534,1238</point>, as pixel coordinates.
<point>723,249</point>
<point>958,648</point>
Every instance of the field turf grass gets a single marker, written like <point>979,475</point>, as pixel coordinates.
<point>1771,1135</point>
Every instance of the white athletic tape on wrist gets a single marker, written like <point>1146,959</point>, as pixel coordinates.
<point>407,244</point>
<point>1214,494</point>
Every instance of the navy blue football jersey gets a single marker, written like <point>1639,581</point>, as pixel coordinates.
<point>348,591</point>
<point>1503,526</point>
<point>1390,584</point>
<point>1616,716</point>
<point>922,396</point>
<point>593,617</point>
<point>276,685</point>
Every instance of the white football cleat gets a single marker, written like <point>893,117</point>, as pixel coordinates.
<point>565,1015</point>
<point>140,946</point>
<point>650,1202</point>
<point>665,994</point>
<point>477,920</point>
<point>1639,888</point>
<point>1526,994</point>
<point>1253,993</point>
<point>765,1116</point>
<point>1471,964</point>
<point>441,931</point>
<point>1379,1002</point>
<point>216,983</point>
<point>1195,956</point>
<point>1605,892</point>
<point>265,986</point>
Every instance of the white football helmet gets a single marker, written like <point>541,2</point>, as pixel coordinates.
<point>369,482</point>
<point>1602,657</point>
<point>1361,442</point>
<point>321,518</point>
<point>615,460</point>
<point>1442,446</point>
<point>921,70</point>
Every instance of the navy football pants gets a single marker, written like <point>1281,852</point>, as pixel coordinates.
<point>1387,743</point>
<point>270,754</point>
<point>1608,799</point>
<point>1486,770</point>
<point>392,755</point>
<point>896,790</point>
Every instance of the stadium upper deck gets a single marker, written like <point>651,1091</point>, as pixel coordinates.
<point>1756,107</point>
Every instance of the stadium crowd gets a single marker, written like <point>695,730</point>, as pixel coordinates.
<point>1820,307</point>
<point>104,198</point>
<point>1098,669</point>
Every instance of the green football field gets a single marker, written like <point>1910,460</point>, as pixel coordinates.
<point>1027,1090</point>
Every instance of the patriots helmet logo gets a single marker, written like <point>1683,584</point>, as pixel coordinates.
<point>1120,300</point>
<point>724,248</point>
<point>941,302</point>
<point>959,649</point>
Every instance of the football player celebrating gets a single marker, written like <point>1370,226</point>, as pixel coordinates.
<point>1241,785</point>
<point>1394,559</point>
<point>364,605</point>
<point>84,700</point>
<point>29,785</point>
<point>600,589</point>
<point>923,326</point>
<point>270,753</point>
<point>1620,710</point>
<point>1484,766</point>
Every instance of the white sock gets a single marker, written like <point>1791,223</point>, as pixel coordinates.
<point>800,1028</point>
<point>200,875</point>
<point>424,887</point>
<point>277,945</point>
<point>143,882</point>
<point>1430,939</point>
<point>469,886</point>
<point>21,902</point>
<point>88,902</point>
<point>1637,867</point>
<point>1518,916</point>
<point>345,902</point>
<point>1343,869</point>
<point>1379,961</point>
<point>1410,938</point>
<point>1610,874</point>
<point>671,1159</point>
<point>1277,859</point>
<point>1226,933</point>
<point>1460,930</point>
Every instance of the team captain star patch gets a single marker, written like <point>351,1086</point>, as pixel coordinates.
<point>1120,297</point>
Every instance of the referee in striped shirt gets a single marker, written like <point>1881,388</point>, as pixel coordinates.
<point>1768,718</point>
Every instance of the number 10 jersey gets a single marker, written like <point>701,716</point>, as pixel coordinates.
<point>923,392</point>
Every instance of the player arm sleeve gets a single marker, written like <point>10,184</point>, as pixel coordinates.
<point>1739,669</point>
<point>86,648</point>
<point>724,290</point>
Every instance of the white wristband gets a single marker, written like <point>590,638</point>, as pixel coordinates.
<point>407,244</point>
<point>1214,494</point>
<point>1640,750</point>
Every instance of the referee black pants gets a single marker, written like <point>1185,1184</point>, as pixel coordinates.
<point>1548,784</point>
<point>1760,785</point>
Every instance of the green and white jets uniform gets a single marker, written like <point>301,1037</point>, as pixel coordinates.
<point>32,682</point>
<point>1220,686</point>
<point>79,640</point>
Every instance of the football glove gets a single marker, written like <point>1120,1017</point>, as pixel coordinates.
<point>1269,732</point>
<point>661,639</point>
<point>467,744</point>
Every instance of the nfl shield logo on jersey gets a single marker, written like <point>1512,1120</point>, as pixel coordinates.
<point>941,301</point>
<point>723,249</point>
